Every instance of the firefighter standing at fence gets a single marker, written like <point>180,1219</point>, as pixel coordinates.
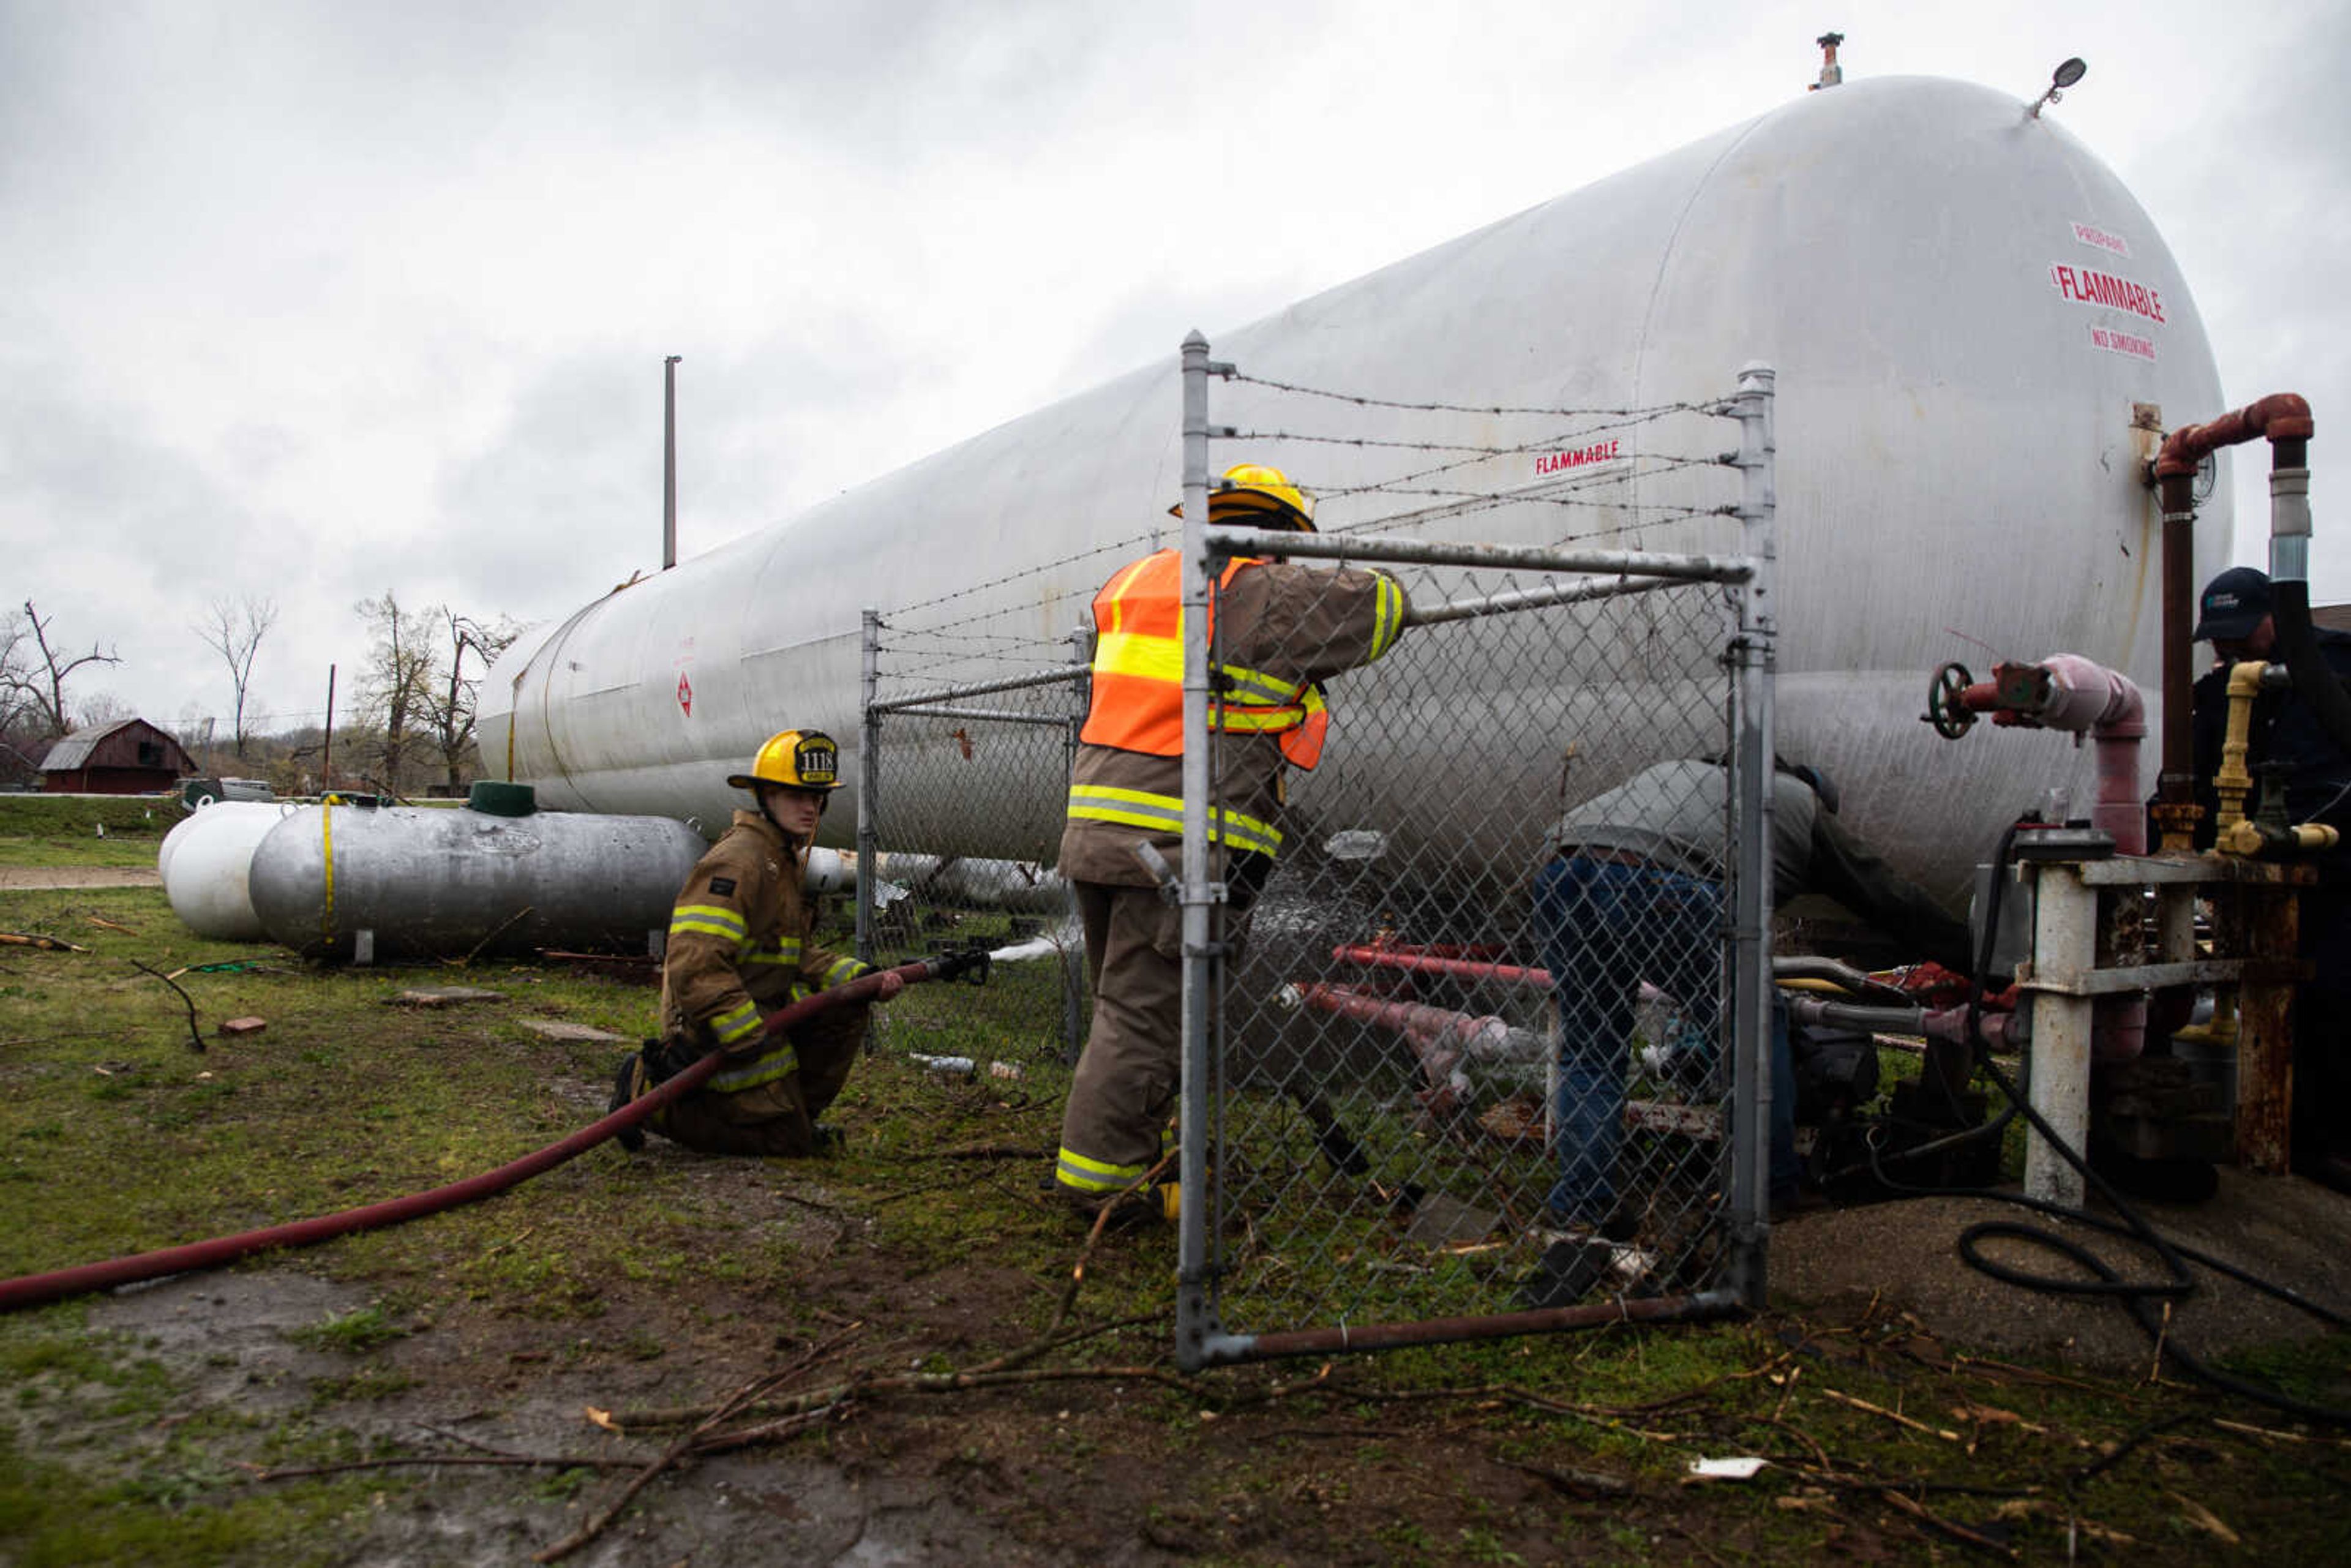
<point>739,948</point>
<point>1280,629</point>
<point>1636,892</point>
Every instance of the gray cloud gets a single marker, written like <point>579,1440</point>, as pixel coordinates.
<point>322,299</point>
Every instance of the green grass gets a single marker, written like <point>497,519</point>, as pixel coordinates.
<point>115,1137</point>
<point>64,830</point>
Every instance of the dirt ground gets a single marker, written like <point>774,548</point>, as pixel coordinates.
<point>2290,1231</point>
<point>1063,1474</point>
<point>13,878</point>
<point>1109,1461</point>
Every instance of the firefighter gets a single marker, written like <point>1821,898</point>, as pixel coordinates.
<point>1284,628</point>
<point>739,948</point>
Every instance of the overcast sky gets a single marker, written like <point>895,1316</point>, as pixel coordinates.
<point>318,300</point>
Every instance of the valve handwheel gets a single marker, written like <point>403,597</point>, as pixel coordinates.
<point>1944,709</point>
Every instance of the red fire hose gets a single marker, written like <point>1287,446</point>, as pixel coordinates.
<point>33,1290</point>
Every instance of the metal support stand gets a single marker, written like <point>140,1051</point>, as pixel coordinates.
<point>2065,952</point>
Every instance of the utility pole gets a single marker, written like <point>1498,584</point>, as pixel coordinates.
<point>669,462</point>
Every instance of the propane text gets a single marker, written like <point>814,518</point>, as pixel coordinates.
<point>2100,239</point>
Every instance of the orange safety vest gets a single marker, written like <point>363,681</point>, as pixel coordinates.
<point>1138,673</point>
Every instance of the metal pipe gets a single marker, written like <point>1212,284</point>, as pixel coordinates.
<point>2284,419</point>
<point>1753,749</point>
<point>1477,605</point>
<point>1227,540</point>
<point>983,715</point>
<point>2087,697</point>
<point>868,776</point>
<point>1427,964</point>
<point>981,688</point>
<point>2176,809</point>
<point>1441,1037</point>
<point>1193,1316</point>
<point>669,462</point>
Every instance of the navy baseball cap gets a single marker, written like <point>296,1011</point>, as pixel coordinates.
<point>2234,603</point>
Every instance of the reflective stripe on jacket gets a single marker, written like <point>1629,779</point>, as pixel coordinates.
<point>738,950</point>
<point>1164,814</point>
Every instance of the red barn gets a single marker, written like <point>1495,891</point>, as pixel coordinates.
<point>128,757</point>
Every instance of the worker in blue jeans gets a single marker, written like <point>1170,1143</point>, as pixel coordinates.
<point>1636,892</point>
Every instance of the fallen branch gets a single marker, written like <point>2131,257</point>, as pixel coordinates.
<point>1941,1526</point>
<point>548,1461</point>
<point>195,1041</point>
<point>493,935</point>
<point>46,944</point>
<point>684,1416</point>
<point>1895,1416</point>
<point>683,1449</point>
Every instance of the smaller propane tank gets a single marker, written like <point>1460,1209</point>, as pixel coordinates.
<point>364,882</point>
<point>206,861</point>
<point>827,871</point>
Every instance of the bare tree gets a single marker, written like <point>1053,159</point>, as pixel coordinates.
<point>449,707</point>
<point>398,679</point>
<point>103,708</point>
<point>234,629</point>
<point>33,670</point>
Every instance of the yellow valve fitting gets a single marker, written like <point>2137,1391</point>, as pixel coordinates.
<point>2233,782</point>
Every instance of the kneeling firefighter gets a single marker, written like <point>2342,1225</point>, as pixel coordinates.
<point>1281,629</point>
<point>738,949</point>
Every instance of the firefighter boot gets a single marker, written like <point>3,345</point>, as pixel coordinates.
<point>628,1082</point>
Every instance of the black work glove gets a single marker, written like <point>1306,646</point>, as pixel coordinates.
<point>665,1059</point>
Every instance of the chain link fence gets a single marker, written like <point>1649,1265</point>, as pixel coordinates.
<point>1434,1085</point>
<point>964,773</point>
<point>1481,1054</point>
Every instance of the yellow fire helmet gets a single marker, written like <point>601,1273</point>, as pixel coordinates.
<point>1255,493</point>
<point>796,758</point>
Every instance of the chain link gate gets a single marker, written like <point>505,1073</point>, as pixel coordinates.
<point>1441,1080</point>
<point>961,792</point>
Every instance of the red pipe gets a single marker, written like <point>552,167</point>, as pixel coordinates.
<point>2284,419</point>
<point>1421,962</point>
<point>1439,1036</point>
<point>32,1289</point>
<point>2280,416</point>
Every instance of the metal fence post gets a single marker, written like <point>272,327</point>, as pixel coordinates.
<point>869,779</point>
<point>1074,1000</point>
<point>1751,770</point>
<point>1192,1315</point>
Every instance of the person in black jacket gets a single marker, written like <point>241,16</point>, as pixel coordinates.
<point>1635,889</point>
<point>2234,616</point>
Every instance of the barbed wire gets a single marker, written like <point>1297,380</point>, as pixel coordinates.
<point>1536,444</point>
<point>1125,544</point>
<point>1715,407</point>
